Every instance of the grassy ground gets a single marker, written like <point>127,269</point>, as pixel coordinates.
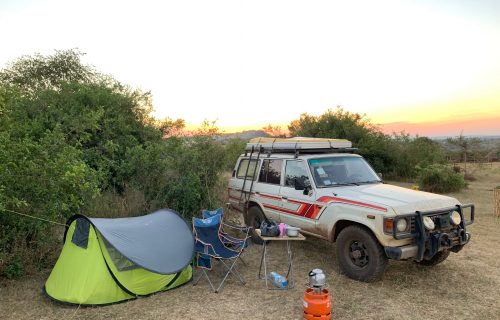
<point>465,286</point>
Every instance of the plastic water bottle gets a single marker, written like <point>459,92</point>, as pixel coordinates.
<point>278,280</point>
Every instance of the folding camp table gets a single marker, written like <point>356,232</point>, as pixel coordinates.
<point>263,260</point>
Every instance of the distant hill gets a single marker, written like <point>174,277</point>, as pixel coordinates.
<point>244,135</point>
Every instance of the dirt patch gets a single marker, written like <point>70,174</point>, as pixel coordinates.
<point>465,286</point>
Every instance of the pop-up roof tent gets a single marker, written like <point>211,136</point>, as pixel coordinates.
<point>297,144</point>
<point>105,261</point>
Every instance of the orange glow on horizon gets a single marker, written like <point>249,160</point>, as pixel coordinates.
<point>471,114</point>
<point>481,126</point>
<point>473,126</point>
<point>235,129</point>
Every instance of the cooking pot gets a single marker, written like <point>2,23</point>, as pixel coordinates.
<point>292,231</point>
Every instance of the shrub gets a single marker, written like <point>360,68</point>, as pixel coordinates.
<point>232,150</point>
<point>374,145</point>
<point>440,178</point>
<point>64,134</point>
<point>182,173</point>
<point>410,153</point>
<point>14,269</point>
<point>396,155</point>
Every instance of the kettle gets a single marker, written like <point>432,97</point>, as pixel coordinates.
<point>317,279</point>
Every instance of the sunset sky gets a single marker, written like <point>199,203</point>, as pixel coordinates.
<point>427,67</point>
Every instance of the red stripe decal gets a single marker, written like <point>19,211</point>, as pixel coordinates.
<point>316,211</point>
<point>327,199</point>
<point>305,209</point>
<point>270,197</point>
<point>279,209</point>
<point>308,210</point>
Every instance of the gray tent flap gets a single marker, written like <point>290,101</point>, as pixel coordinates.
<point>81,234</point>
<point>160,242</point>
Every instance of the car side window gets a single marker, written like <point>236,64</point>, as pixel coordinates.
<point>295,169</point>
<point>242,168</point>
<point>271,171</point>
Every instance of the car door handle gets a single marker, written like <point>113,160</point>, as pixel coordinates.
<point>284,197</point>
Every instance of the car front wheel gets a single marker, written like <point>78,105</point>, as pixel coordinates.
<point>359,254</point>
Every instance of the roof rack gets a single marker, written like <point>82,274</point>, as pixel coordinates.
<point>299,145</point>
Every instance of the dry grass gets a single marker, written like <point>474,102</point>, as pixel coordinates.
<point>465,286</point>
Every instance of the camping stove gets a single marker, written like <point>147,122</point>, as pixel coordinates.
<point>317,280</point>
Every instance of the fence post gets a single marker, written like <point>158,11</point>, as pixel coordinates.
<point>497,201</point>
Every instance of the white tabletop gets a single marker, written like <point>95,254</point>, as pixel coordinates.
<point>285,238</point>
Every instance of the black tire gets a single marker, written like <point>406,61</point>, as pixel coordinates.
<point>437,259</point>
<point>359,254</point>
<point>254,218</point>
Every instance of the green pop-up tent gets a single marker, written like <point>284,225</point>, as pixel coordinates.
<point>105,261</point>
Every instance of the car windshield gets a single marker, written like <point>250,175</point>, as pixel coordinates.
<point>341,171</point>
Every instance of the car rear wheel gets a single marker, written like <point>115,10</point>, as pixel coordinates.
<point>359,254</point>
<point>254,218</point>
<point>437,259</point>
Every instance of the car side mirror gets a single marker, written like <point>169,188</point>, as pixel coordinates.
<point>301,185</point>
<point>379,174</point>
<point>306,190</point>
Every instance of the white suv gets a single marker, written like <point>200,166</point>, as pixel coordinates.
<point>333,194</point>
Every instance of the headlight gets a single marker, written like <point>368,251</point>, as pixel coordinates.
<point>428,223</point>
<point>455,218</point>
<point>401,225</point>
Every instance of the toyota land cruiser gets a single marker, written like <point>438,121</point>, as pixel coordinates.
<point>323,187</point>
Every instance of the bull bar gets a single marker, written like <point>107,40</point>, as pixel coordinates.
<point>435,239</point>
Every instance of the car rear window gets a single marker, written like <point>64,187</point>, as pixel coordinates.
<point>242,168</point>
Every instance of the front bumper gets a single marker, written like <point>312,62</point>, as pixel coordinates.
<point>428,243</point>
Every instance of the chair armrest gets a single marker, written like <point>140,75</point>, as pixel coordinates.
<point>233,240</point>
<point>241,228</point>
<point>206,246</point>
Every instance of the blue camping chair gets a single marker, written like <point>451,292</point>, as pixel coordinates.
<point>228,240</point>
<point>210,247</point>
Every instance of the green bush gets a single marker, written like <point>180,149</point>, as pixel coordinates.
<point>68,135</point>
<point>40,175</point>
<point>182,173</point>
<point>375,146</point>
<point>440,178</point>
<point>232,150</point>
<point>396,155</point>
<point>14,269</point>
<point>411,153</point>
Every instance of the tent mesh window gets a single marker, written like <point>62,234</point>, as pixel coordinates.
<point>120,261</point>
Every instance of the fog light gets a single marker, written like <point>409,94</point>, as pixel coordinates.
<point>455,218</point>
<point>428,223</point>
<point>401,225</point>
